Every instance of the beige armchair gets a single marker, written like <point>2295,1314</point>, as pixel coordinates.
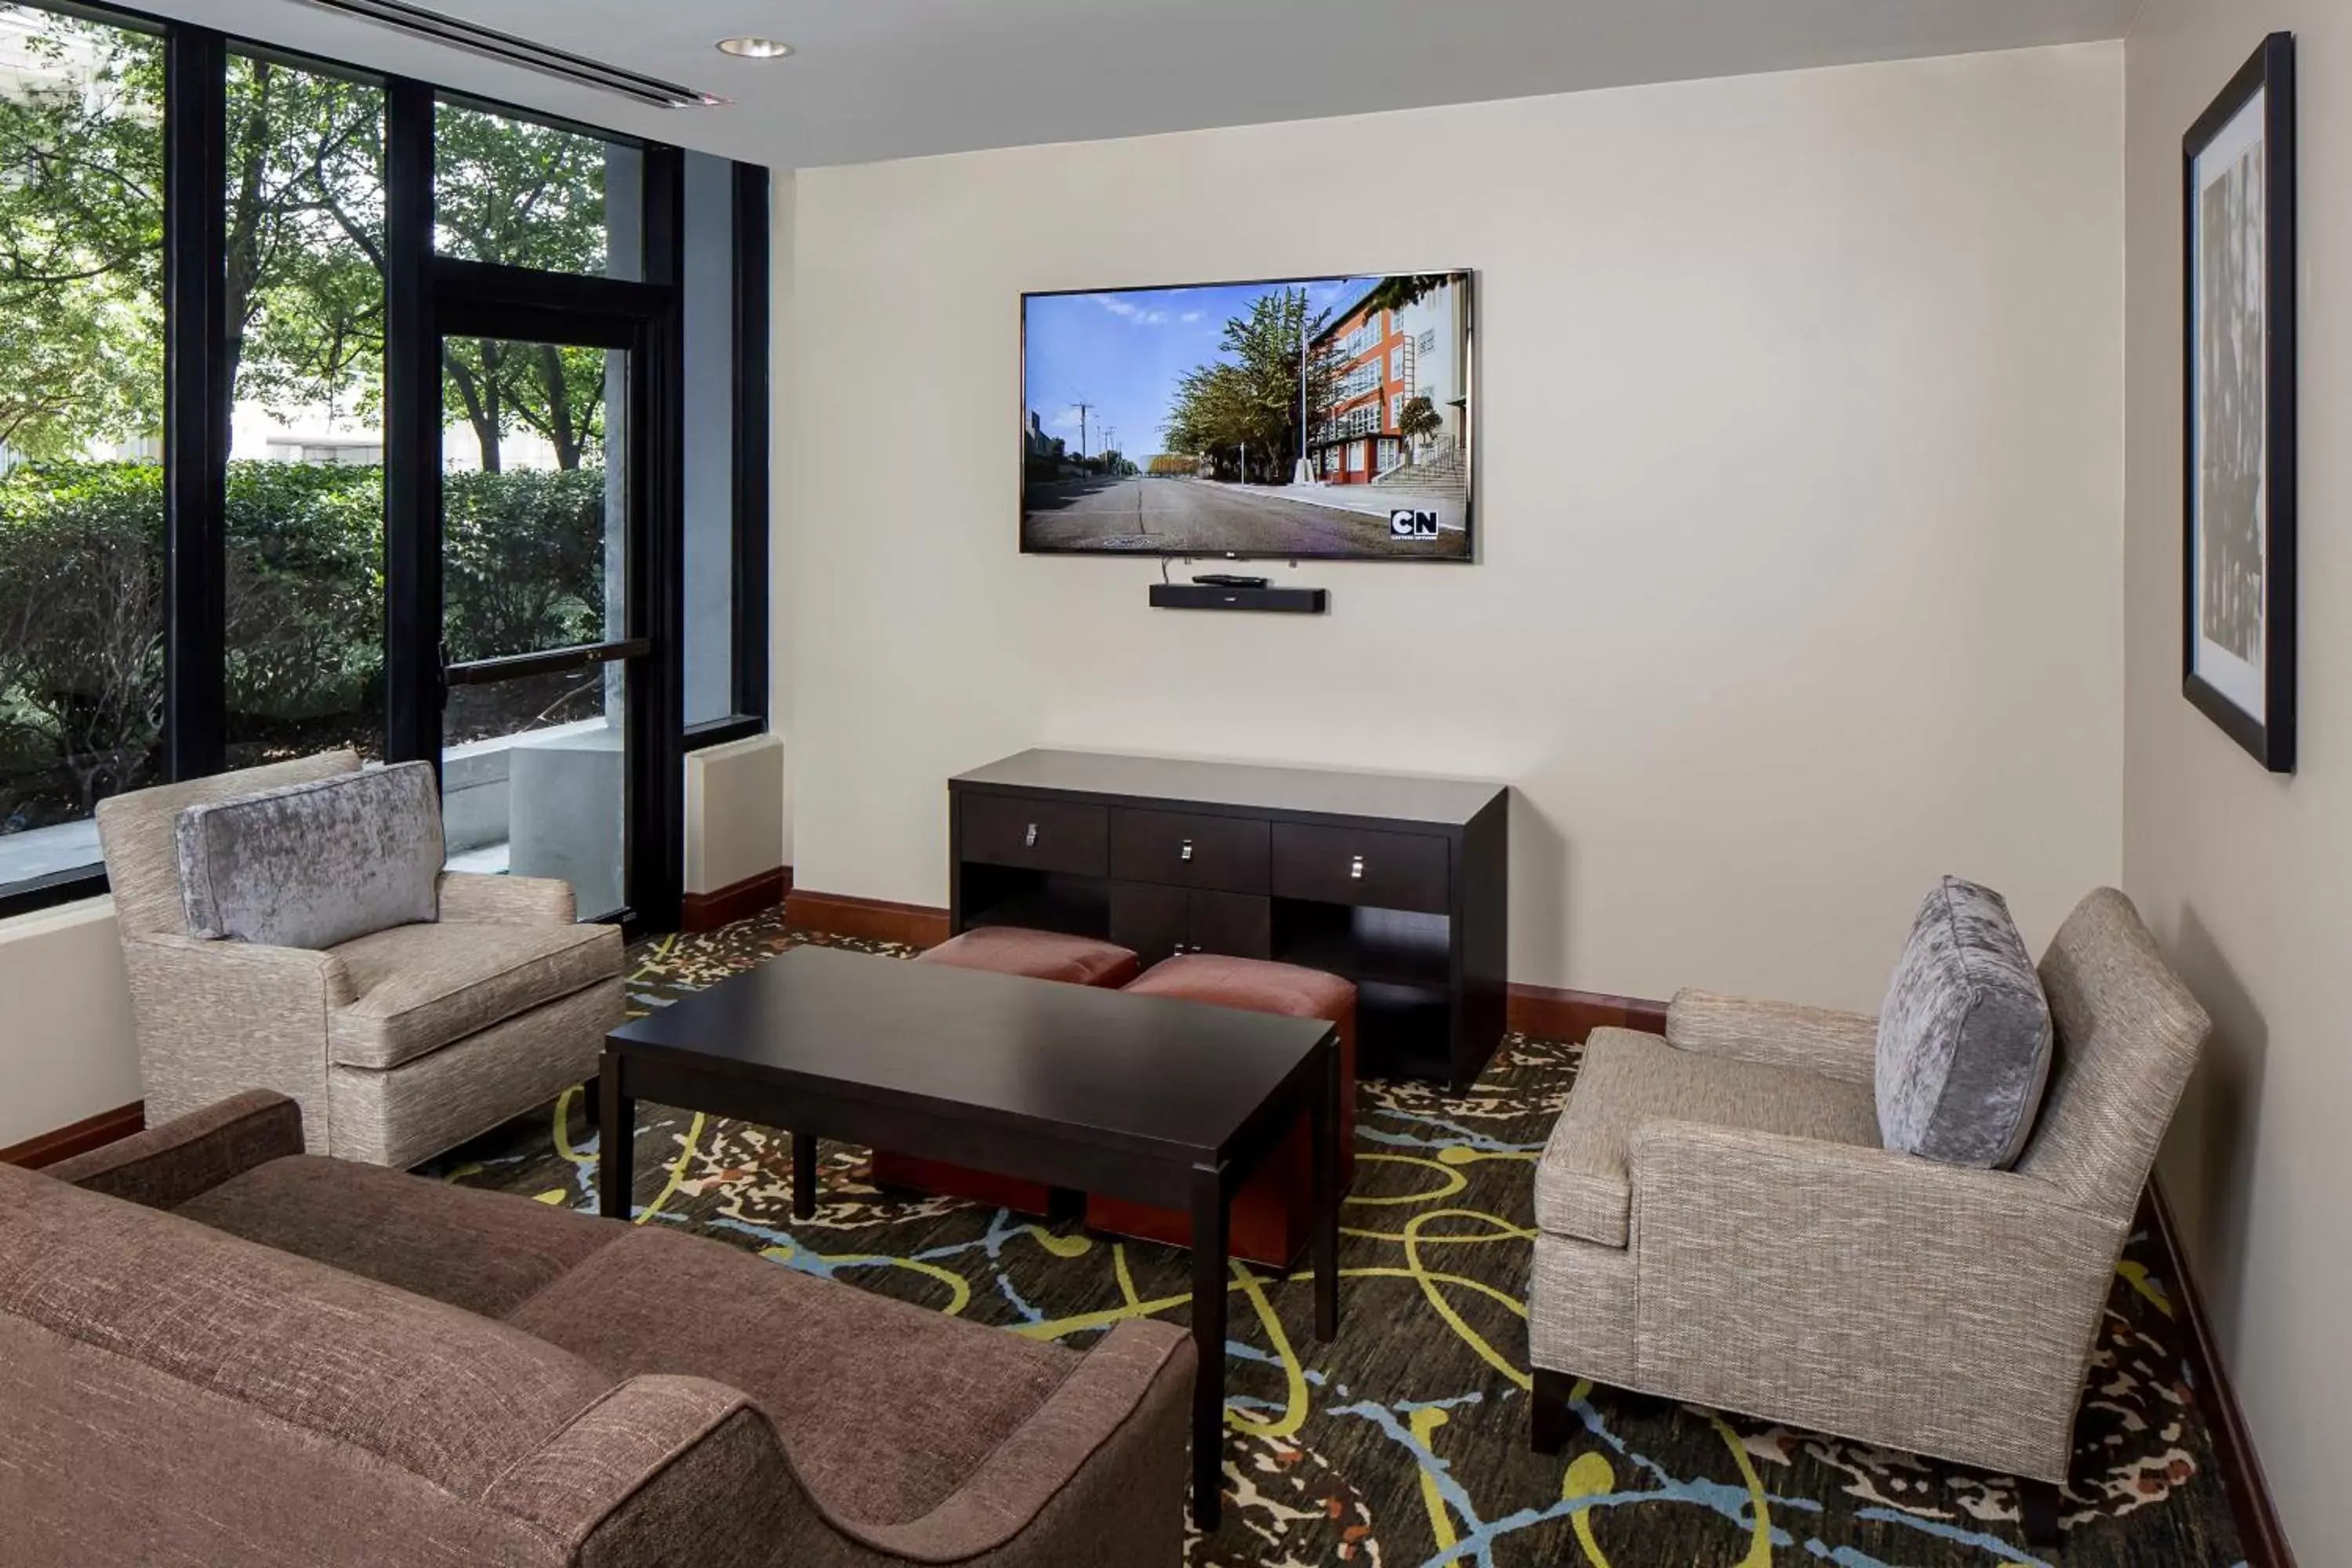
<point>396,1045</point>
<point>1718,1222</point>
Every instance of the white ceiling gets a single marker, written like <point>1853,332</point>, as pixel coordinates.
<point>887,79</point>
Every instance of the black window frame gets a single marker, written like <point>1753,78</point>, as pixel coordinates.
<point>417,283</point>
<point>753,302</point>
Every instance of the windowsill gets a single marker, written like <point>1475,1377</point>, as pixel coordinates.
<point>21,902</point>
<point>719,731</point>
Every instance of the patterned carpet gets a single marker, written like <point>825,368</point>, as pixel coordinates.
<point>1404,1441</point>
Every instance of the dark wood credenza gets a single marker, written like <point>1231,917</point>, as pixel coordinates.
<point>1399,884</point>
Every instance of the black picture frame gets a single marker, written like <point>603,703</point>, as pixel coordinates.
<point>2214,678</point>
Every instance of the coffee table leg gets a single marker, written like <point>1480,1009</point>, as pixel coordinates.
<point>1210,1202</point>
<point>615,1136</point>
<point>804,1174</point>
<point>1325,1121</point>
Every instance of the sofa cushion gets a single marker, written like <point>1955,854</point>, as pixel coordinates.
<point>419,987</point>
<point>1964,1040</point>
<point>448,1396</point>
<point>314,864</point>
<point>883,1407</point>
<point>1584,1188</point>
<point>1039,955</point>
<point>105,1460</point>
<point>486,1252</point>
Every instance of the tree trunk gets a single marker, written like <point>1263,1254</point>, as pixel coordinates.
<point>481,399</point>
<point>561,432</point>
<point>244,215</point>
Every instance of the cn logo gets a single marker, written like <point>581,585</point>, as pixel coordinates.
<point>1406,523</point>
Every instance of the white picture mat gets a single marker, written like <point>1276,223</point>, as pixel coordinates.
<point>2242,680</point>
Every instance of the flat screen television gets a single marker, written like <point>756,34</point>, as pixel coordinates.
<point>1302,418</point>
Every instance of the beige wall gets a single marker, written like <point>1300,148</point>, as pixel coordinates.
<point>66,1046</point>
<point>1800,501</point>
<point>2242,875</point>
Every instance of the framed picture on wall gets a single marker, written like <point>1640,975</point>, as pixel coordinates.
<point>2238,537</point>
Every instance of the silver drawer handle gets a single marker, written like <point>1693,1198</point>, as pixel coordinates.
<point>1186,852</point>
<point>1029,839</point>
<point>1356,868</point>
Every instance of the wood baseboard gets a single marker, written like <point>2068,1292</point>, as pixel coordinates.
<point>78,1138</point>
<point>1549,1014</point>
<point>2260,1534</point>
<point>870,920</point>
<point>735,901</point>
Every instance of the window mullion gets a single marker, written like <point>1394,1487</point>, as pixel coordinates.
<point>195,401</point>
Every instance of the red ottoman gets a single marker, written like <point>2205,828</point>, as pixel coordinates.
<point>1275,1208</point>
<point>1006,949</point>
<point>1039,955</point>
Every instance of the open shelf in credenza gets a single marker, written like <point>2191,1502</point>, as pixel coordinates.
<point>1039,900</point>
<point>1393,947</point>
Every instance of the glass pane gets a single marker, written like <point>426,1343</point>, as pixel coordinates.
<point>305,519</point>
<point>534,525</point>
<point>533,518</point>
<point>527,194</point>
<point>533,782</point>
<point>81,404</point>
<point>710,647</point>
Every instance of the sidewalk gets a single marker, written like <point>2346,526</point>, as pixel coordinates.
<point>1372,500</point>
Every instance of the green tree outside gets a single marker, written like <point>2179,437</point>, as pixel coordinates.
<point>1248,400</point>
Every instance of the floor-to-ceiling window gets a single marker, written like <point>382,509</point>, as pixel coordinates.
<point>303,345</point>
<point>81,412</point>
<point>235,528</point>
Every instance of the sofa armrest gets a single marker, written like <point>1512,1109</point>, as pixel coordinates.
<point>166,1166</point>
<point>1102,1458</point>
<point>664,1469</point>
<point>471,898</point>
<point>681,1469</point>
<point>1822,1040</point>
<point>219,1017</point>
<point>1879,1296</point>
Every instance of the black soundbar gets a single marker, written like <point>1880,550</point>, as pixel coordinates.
<point>1209,596</point>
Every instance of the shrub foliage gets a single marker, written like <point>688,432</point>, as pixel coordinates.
<point>83,585</point>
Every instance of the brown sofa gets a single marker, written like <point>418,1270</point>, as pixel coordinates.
<point>214,1348</point>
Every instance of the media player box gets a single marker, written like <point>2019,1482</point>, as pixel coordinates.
<point>1208,597</point>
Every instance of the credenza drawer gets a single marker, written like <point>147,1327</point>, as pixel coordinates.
<point>1040,835</point>
<point>1359,866</point>
<point>1228,853</point>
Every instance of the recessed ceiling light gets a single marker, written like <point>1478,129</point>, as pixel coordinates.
<point>755,48</point>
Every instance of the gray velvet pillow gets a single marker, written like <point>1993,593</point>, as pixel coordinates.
<point>1964,1040</point>
<point>314,864</point>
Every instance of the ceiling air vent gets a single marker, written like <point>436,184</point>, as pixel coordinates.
<point>518,51</point>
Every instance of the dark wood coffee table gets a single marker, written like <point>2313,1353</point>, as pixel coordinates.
<point>1161,1101</point>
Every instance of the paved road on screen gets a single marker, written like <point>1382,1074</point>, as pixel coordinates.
<point>1199,517</point>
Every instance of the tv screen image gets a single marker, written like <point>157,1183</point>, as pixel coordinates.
<point>1323,418</point>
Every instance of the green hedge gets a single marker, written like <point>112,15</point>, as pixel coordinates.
<point>81,605</point>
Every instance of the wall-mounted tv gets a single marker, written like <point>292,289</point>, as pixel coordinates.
<point>1304,418</point>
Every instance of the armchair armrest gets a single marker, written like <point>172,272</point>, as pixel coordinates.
<point>1823,1040</point>
<point>166,1166</point>
<point>218,1017</point>
<point>471,898</point>
<point>1879,1296</point>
